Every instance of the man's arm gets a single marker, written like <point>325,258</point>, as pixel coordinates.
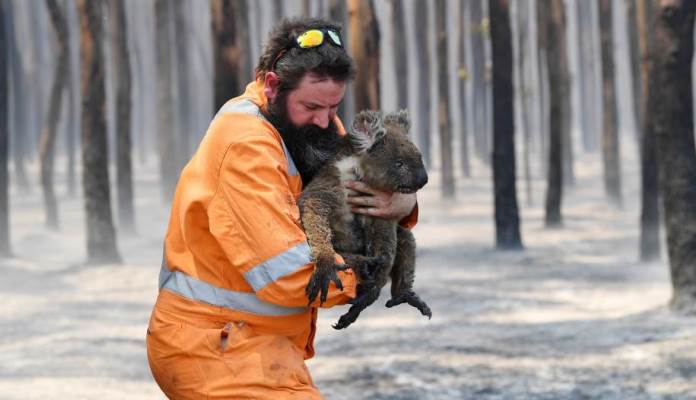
<point>258,225</point>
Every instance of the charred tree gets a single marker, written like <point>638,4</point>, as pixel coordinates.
<point>230,49</point>
<point>337,13</point>
<point>400,53</point>
<point>674,132</point>
<point>506,213</point>
<point>364,47</point>
<point>446,159</point>
<point>122,74</point>
<point>634,57</point>
<point>478,80</point>
<point>610,136</point>
<point>524,92</point>
<point>4,138</point>
<point>649,215</point>
<point>463,77</point>
<point>422,49</point>
<point>552,17</point>
<point>101,236</point>
<point>47,142</point>
<point>166,138</point>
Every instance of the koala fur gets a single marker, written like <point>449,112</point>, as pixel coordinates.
<point>378,152</point>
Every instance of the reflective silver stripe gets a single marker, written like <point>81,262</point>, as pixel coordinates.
<point>283,264</point>
<point>194,289</point>
<point>250,108</point>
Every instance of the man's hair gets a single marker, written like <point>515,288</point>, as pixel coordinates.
<point>326,60</point>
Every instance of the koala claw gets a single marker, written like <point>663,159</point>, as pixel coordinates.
<point>320,280</point>
<point>412,299</point>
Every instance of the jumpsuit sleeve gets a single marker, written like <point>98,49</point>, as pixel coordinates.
<point>410,220</point>
<point>260,232</point>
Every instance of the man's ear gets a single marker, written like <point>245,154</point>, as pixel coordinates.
<point>271,83</point>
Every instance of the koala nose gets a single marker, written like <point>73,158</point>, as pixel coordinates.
<point>421,178</point>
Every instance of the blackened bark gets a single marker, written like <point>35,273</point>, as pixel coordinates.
<point>101,236</point>
<point>674,132</point>
<point>447,164</point>
<point>166,138</point>
<point>122,74</point>
<point>524,95</point>
<point>400,53</point>
<point>649,215</point>
<point>420,16</point>
<point>4,138</point>
<point>610,136</point>
<point>47,142</point>
<point>551,19</point>
<point>634,57</point>
<point>463,77</point>
<point>478,79</point>
<point>228,46</point>
<point>506,213</point>
<point>364,47</point>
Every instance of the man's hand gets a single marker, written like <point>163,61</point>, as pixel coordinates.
<point>377,203</point>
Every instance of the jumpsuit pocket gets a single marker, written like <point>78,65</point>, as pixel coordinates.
<point>261,359</point>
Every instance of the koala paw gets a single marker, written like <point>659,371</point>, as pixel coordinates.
<point>318,284</point>
<point>411,298</point>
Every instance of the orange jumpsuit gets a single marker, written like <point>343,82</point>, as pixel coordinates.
<point>231,320</point>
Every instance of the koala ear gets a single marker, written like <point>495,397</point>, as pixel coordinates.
<point>399,120</point>
<point>366,130</point>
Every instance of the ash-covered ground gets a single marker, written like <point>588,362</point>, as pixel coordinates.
<point>573,316</point>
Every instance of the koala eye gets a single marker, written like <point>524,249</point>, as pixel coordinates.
<point>398,164</point>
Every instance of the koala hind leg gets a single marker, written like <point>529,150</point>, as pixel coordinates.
<point>403,274</point>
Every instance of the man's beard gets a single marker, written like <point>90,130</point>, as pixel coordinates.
<point>310,146</point>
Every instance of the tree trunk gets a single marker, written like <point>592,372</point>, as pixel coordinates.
<point>230,49</point>
<point>525,92</point>
<point>73,94</point>
<point>552,21</point>
<point>4,137</point>
<point>463,77</point>
<point>47,142</point>
<point>21,95</point>
<point>634,57</point>
<point>420,16</point>
<point>610,136</point>
<point>101,236</point>
<point>478,79</point>
<point>400,53</point>
<point>364,47</point>
<point>586,75</point>
<point>507,221</point>
<point>337,13</point>
<point>447,164</point>
<point>278,10</point>
<point>165,108</point>
<point>674,131</point>
<point>122,74</point>
<point>649,215</point>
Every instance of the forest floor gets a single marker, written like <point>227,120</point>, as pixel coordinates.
<point>573,316</point>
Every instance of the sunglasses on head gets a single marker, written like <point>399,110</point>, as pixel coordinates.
<point>312,38</point>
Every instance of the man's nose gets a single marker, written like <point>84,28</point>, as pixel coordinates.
<point>321,119</point>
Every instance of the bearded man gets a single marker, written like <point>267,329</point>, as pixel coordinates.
<point>231,319</point>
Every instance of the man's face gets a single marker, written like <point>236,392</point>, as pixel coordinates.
<point>314,101</point>
<point>304,119</point>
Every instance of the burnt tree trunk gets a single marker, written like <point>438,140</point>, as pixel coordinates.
<point>230,50</point>
<point>674,132</point>
<point>337,13</point>
<point>525,92</point>
<point>73,94</point>
<point>443,109</point>
<point>364,47</point>
<point>649,214</point>
<point>122,74</point>
<point>478,80</point>
<point>463,77</point>
<point>101,236</point>
<point>610,136</point>
<point>552,17</point>
<point>400,53</point>
<point>47,142</point>
<point>507,220</point>
<point>634,57</point>
<point>420,16</point>
<point>4,138</point>
<point>166,137</point>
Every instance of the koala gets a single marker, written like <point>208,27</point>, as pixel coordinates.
<point>378,152</point>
